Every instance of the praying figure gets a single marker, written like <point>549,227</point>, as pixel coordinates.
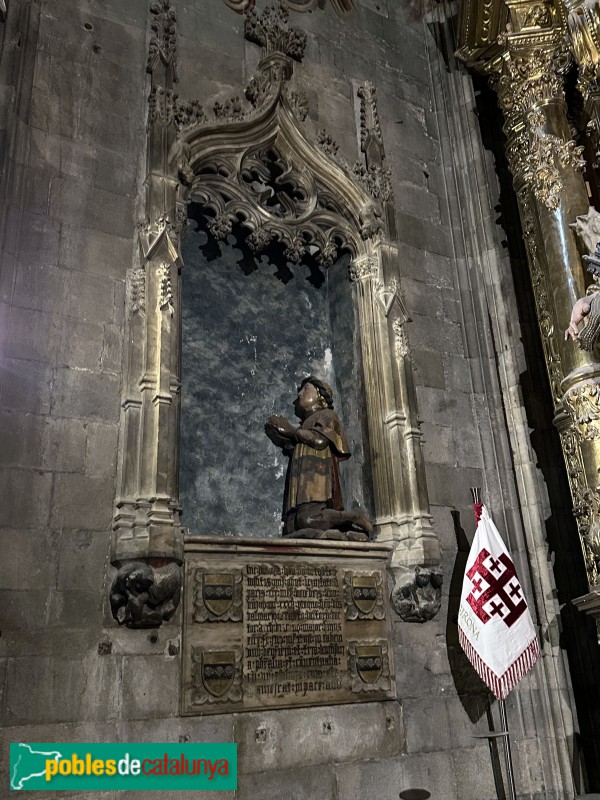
<point>313,506</point>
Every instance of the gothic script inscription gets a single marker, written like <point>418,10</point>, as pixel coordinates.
<point>294,630</point>
<point>305,633</point>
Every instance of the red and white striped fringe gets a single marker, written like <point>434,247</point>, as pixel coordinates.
<point>502,685</point>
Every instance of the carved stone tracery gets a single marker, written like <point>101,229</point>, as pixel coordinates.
<point>250,166</point>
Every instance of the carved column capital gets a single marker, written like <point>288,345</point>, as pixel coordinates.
<point>529,84</point>
<point>362,269</point>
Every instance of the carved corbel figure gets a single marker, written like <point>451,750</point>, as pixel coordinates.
<point>417,593</point>
<point>142,596</point>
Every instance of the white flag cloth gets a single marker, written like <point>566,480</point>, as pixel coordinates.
<point>494,624</point>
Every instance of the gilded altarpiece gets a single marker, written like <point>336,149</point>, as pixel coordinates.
<point>526,49</point>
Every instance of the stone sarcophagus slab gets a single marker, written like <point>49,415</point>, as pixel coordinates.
<point>272,623</point>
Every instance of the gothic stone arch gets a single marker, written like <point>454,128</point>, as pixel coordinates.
<point>219,159</point>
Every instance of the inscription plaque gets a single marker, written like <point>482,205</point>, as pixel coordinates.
<point>272,623</point>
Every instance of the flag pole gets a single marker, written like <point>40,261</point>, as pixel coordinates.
<point>504,733</point>
<point>507,753</point>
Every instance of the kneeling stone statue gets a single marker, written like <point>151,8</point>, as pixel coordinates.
<point>313,507</point>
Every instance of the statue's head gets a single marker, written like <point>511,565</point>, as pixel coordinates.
<point>313,394</point>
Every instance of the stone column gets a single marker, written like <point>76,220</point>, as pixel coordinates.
<point>147,543</point>
<point>546,167</point>
<point>400,488</point>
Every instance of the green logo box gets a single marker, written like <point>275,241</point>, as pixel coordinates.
<point>106,767</point>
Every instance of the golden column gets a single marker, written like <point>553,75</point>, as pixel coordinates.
<point>526,64</point>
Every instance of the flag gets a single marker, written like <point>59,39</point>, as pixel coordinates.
<point>495,628</point>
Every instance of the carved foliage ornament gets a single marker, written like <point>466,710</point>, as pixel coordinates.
<point>586,505</point>
<point>542,299</point>
<point>163,42</point>
<point>583,404</point>
<point>271,30</point>
<point>538,156</point>
<point>584,29</point>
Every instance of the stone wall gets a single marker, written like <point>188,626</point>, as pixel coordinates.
<point>73,92</point>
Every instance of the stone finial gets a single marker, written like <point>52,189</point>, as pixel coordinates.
<point>370,129</point>
<point>270,30</point>
<point>163,42</point>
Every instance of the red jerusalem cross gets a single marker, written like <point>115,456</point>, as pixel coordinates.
<point>508,606</point>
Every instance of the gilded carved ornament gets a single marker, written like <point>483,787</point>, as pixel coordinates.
<point>584,30</point>
<point>586,505</point>
<point>542,295</point>
<point>583,404</point>
<point>525,84</point>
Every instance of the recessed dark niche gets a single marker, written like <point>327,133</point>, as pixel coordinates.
<point>252,327</point>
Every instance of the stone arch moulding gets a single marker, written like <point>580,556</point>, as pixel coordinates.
<point>219,158</point>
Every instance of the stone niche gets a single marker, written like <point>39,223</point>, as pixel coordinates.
<point>252,327</point>
<point>284,623</point>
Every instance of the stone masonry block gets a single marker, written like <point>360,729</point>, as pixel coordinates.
<point>101,450</point>
<point>217,728</point>
<point>79,343</point>
<point>81,393</point>
<point>387,778</point>
<point>457,373</point>
<point>111,358</point>
<point>141,677</point>
<point>421,299</point>
<point>422,670</point>
<point>311,783</point>
<point>46,690</point>
<point>39,286</point>
<point>29,559</point>
<point>30,336</point>
<point>23,437</point>
<point>82,561</point>
<point>448,484</point>
<point>24,612</point>
<point>330,733</point>
<point>444,336</point>
<point>429,368</point>
<point>440,407</point>
<point>25,497</point>
<point>74,608</point>
<point>82,502</point>
<point>473,770</point>
<point>427,725</point>
<point>93,208</point>
<point>39,238</point>
<point>66,445</point>
<point>26,386</point>
<point>96,251</point>
<point>438,443</point>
